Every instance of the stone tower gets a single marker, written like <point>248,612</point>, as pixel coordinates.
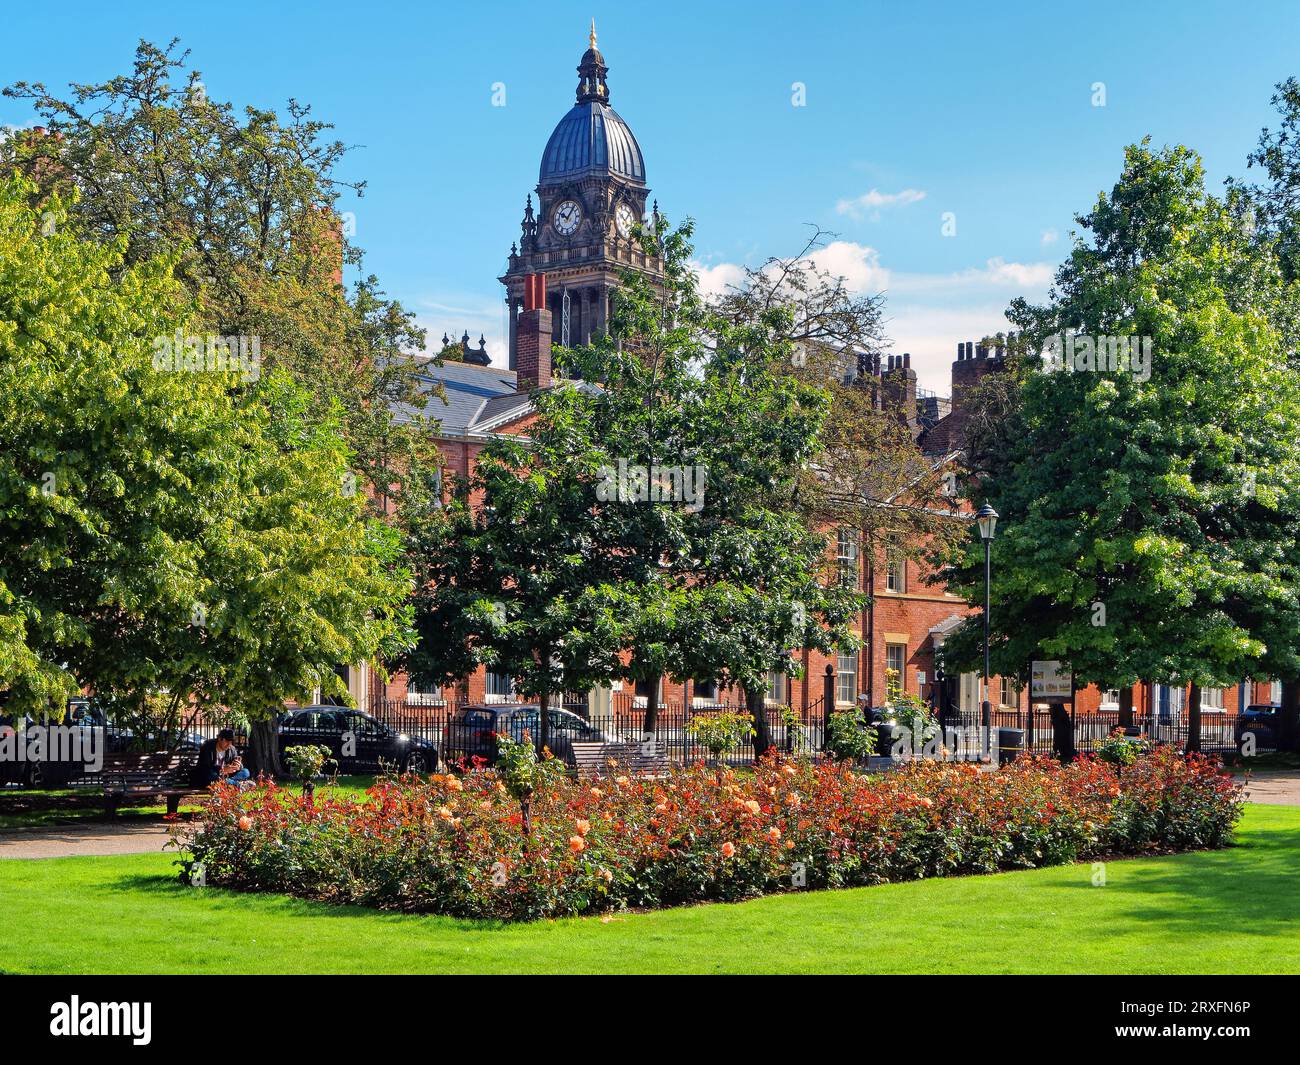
<point>591,192</point>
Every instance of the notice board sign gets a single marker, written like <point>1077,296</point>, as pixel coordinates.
<point>1050,682</point>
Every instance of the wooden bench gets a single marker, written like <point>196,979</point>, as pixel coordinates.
<point>145,776</point>
<point>605,759</point>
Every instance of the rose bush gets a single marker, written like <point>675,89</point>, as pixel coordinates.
<point>455,845</point>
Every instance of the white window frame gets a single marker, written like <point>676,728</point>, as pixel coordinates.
<point>902,665</point>
<point>846,555</point>
<point>489,683</point>
<point>846,666</point>
<point>422,696</point>
<point>895,572</point>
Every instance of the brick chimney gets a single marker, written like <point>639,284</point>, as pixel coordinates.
<point>533,361</point>
<point>975,361</point>
<point>898,381</point>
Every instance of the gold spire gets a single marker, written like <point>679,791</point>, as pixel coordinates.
<point>592,38</point>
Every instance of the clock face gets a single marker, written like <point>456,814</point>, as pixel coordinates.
<point>566,218</point>
<point>624,220</point>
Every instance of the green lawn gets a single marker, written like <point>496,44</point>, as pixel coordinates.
<point>1219,912</point>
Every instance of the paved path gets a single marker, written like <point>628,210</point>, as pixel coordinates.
<point>1274,789</point>
<point>64,841</point>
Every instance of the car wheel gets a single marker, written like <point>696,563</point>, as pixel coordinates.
<point>416,762</point>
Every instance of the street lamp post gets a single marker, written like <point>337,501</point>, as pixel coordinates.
<point>987,519</point>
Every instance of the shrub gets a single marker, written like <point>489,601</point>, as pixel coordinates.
<point>848,737</point>
<point>455,845</point>
<point>307,761</point>
<point>721,733</point>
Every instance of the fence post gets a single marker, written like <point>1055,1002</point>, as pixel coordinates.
<point>828,700</point>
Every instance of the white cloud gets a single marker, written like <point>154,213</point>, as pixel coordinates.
<point>996,273</point>
<point>1050,236</point>
<point>858,264</point>
<point>717,280</point>
<point>931,336</point>
<point>926,315</point>
<point>870,204</point>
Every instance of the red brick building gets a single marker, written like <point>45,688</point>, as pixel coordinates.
<point>591,190</point>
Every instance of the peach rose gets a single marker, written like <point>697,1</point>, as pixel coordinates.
<point>245,823</point>
<point>583,827</point>
<point>576,844</point>
<point>728,849</point>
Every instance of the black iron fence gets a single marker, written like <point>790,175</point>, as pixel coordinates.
<point>1221,732</point>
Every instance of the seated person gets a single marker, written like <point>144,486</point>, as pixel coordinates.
<point>219,761</point>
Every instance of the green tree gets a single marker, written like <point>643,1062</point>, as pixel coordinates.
<point>165,529</point>
<point>1147,512</point>
<point>245,204</point>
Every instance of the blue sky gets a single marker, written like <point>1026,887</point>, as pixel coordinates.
<point>912,110</point>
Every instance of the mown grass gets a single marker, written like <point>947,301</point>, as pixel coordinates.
<point>1227,911</point>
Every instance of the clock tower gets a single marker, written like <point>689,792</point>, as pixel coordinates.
<point>591,192</point>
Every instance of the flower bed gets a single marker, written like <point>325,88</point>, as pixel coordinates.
<point>455,845</point>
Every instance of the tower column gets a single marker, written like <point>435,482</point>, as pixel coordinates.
<point>512,303</point>
<point>602,309</point>
<point>584,329</point>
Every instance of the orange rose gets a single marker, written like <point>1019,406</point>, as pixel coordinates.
<point>583,827</point>
<point>576,844</point>
<point>774,833</point>
<point>245,823</point>
<point>728,849</point>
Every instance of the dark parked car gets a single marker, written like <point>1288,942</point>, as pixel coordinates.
<point>373,742</point>
<point>54,770</point>
<point>469,734</point>
<point>1261,719</point>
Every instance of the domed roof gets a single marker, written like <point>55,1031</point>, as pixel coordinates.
<point>592,139</point>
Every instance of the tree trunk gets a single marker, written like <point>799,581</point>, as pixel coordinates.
<point>264,749</point>
<point>543,722</point>
<point>1126,707</point>
<point>756,705</point>
<point>1062,733</point>
<point>1194,718</point>
<point>651,720</point>
<point>1288,738</point>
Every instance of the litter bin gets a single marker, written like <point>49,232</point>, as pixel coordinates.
<point>1011,741</point>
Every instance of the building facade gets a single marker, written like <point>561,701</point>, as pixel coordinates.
<point>573,249</point>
